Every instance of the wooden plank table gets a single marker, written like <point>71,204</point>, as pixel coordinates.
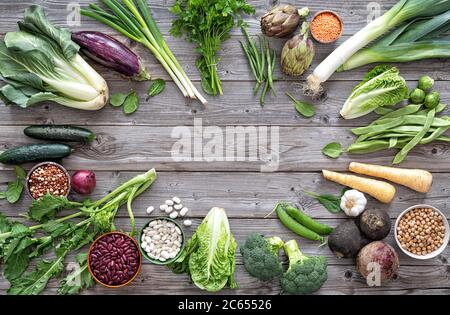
<point>128,145</point>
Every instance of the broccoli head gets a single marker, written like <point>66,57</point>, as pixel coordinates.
<point>306,274</point>
<point>261,256</point>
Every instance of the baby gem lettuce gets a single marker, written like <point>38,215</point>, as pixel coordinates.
<point>209,256</point>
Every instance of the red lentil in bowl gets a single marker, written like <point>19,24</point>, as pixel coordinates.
<point>326,27</point>
<point>48,177</point>
<point>114,259</point>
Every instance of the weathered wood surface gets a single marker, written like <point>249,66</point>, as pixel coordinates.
<point>131,144</point>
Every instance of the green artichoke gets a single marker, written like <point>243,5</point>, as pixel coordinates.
<point>298,53</point>
<point>282,20</point>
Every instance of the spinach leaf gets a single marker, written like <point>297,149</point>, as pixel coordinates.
<point>156,88</point>
<point>118,99</point>
<point>131,103</point>
<point>330,202</point>
<point>15,189</point>
<point>333,150</point>
<point>301,107</point>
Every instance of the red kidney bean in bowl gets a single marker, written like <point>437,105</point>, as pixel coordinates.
<point>114,259</point>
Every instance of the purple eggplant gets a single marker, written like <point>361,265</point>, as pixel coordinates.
<point>111,53</point>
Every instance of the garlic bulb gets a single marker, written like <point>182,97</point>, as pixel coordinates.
<point>353,202</point>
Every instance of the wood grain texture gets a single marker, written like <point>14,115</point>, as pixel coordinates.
<point>127,145</point>
<point>299,150</point>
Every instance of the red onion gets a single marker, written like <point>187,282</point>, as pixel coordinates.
<point>83,182</point>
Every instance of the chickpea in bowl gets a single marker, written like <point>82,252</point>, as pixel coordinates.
<point>422,232</point>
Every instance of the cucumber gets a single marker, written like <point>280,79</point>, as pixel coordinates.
<point>35,153</point>
<point>60,133</point>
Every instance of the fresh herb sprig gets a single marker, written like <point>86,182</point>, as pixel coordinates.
<point>261,60</point>
<point>208,23</point>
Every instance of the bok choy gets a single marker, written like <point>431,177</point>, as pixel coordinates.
<point>403,11</point>
<point>41,63</point>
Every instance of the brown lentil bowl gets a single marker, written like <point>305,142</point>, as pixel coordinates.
<point>437,251</point>
<point>90,253</point>
<point>315,35</point>
<point>30,173</point>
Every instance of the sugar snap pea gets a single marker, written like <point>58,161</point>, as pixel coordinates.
<point>296,227</point>
<point>416,140</point>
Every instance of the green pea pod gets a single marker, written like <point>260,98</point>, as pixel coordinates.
<point>406,110</point>
<point>378,128</point>
<point>307,221</point>
<point>416,140</point>
<point>296,227</point>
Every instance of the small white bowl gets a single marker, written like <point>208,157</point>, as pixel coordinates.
<point>436,252</point>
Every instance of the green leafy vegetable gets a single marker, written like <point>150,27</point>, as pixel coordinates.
<point>118,99</point>
<point>156,88</point>
<point>20,244</point>
<point>330,202</point>
<point>47,207</point>
<point>133,19</point>
<point>333,150</point>
<point>207,23</point>
<point>14,189</point>
<point>301,107</point>
<point>383,86</point>
<point>131,103</point>
<point>209,256</point>
<point>41,63</point>
<point>79,279</point>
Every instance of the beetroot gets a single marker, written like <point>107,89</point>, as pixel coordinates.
<point>379,253</point>
<point>83,182</point>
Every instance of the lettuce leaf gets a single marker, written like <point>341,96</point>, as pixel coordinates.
<point>210,256</point>
<point>383,86</point>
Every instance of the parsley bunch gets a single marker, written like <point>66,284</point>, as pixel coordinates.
<point>208,23</point>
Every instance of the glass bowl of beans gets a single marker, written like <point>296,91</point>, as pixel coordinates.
<point>422,232</point>
<point>161,240</point>
<point>114,259</point>
<point>48,178</point>
<point>326,27</point>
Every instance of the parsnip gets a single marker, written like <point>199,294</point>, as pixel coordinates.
<point>380,190</point>
<point>418,180</point>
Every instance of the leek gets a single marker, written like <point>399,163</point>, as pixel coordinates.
<point>134,20</point>
<point>414,41</point>
<point>403,11</point>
